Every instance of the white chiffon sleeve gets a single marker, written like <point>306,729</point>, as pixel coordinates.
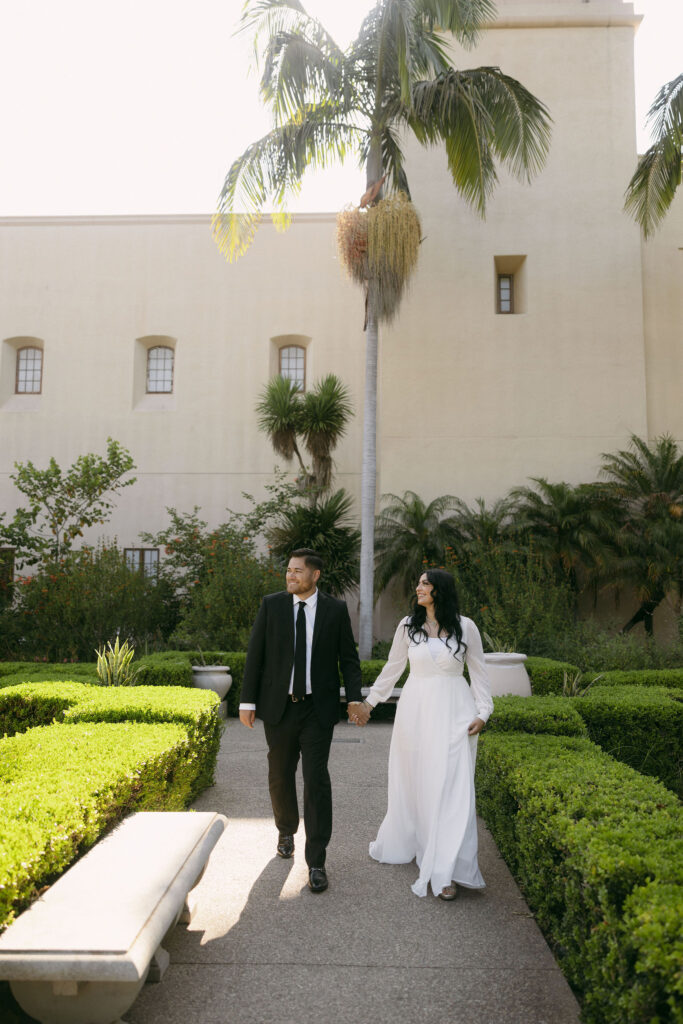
<point>479,680</point>
<point>391,673</point>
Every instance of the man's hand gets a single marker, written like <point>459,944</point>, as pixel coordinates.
<point>475,727</point>
<point>359,712</point>
<point>247,718</point>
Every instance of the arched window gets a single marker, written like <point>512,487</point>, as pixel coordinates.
<point>29,380</point>
<point>160,370</point>
<point>293,364</point>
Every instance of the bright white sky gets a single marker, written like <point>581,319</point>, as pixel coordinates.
<point>139,106</point>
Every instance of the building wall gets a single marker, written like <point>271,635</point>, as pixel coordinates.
<point>90,289</point>
<point>471,402</point>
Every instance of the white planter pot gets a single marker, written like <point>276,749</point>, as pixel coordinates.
<point>507,674</point>
<point>212,677</point>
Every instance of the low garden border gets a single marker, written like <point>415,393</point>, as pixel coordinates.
<point>111,751</point>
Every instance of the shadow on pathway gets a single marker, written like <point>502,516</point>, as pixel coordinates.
<point>263,948</point>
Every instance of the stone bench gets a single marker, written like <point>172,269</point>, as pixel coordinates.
<point>82,952</point>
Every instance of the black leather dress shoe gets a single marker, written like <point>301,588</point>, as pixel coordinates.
<point>285,846</point>
<point>317,879</point>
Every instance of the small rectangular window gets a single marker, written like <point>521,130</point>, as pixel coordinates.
<point>144,560</point>
<point>29,371</point>
<point>506,293</point>
<point>160,370</point>
<point>293,364</point>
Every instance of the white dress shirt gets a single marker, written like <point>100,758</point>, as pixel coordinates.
<point>311,603</point>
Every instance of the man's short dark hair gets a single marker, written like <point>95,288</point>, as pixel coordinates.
<point>312,559</point>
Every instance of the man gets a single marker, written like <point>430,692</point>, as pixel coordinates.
<point>300,640</point>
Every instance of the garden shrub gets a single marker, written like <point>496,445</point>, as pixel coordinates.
<point>63,786</point>
<point>555,715</point>
<point>115,750</point>
<point>513,595</point>
<point>70,608</point>
<point>547,676</point>
<point>672,678</point>
<point>639,725</point>
<point>601,649</point>
<point>13,672</point>
<point>597,850</point>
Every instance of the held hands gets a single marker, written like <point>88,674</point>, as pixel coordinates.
<point>359,712</point>
<point>475,727</point>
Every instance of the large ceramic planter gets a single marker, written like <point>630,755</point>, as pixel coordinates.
<point>507,674</point>
<point>213,677</point>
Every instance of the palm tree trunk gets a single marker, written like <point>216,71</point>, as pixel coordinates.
<point>368,488</point>
<point>373,173</point>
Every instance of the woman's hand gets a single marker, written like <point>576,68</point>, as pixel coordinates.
<point>359,712</point>
<point>475,727</point>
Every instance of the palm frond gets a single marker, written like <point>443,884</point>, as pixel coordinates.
<point>480,114</point>
<point>463,18</point>
<point>657,176</point>
<point>280,414</point>
<point>665,116</point>
<point>272,169</point>
<point>297,72</point>
<point>653,186</point>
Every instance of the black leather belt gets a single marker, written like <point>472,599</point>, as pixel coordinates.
<point>297,700</point>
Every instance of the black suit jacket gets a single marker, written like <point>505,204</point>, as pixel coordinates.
<point>270,657</point>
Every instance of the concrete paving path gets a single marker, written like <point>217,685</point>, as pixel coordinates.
<point>263,948</point>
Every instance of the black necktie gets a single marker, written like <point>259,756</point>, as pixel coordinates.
<point>299,688</point>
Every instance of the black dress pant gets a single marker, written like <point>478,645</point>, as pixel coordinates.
<point>299,733</point>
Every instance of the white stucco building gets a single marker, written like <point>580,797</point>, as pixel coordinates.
<point>472,399</point>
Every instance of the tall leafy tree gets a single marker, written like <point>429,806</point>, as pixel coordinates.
<point>329,104</point>
<point>653,186</point>
<point>647,480</point>
<point>62,503</point>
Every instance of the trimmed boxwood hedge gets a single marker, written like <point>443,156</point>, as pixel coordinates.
<point>116,750</point>
<point>547,676</point>
<point>555,715</point>
<point>672,678</point>
<point>14,672</point>
<point>597,849</point>
<point>639,725</point>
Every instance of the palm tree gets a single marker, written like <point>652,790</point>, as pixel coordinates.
<point>329,104</point>
<point>479,526</point>
<point>318,417</point>
<point>647,480</point>
<point>328,528</point>
<point>653,186</point>
<point>569,526</point>
<point>410,534</point>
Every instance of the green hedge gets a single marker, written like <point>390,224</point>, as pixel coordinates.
<point>555,715</point>
<point>63,784</point>
<point>174,668</point>
<point>547,676</point>
<point>14,672</point>
<point>669,677</point>
<point>639,725</point>
<point>597,850</point>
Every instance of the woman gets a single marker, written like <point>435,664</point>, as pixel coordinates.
<point>431,809</point>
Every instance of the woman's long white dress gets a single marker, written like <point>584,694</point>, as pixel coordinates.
<point>431,808</point>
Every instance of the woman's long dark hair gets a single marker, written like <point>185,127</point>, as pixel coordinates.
<point>446,610</point>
